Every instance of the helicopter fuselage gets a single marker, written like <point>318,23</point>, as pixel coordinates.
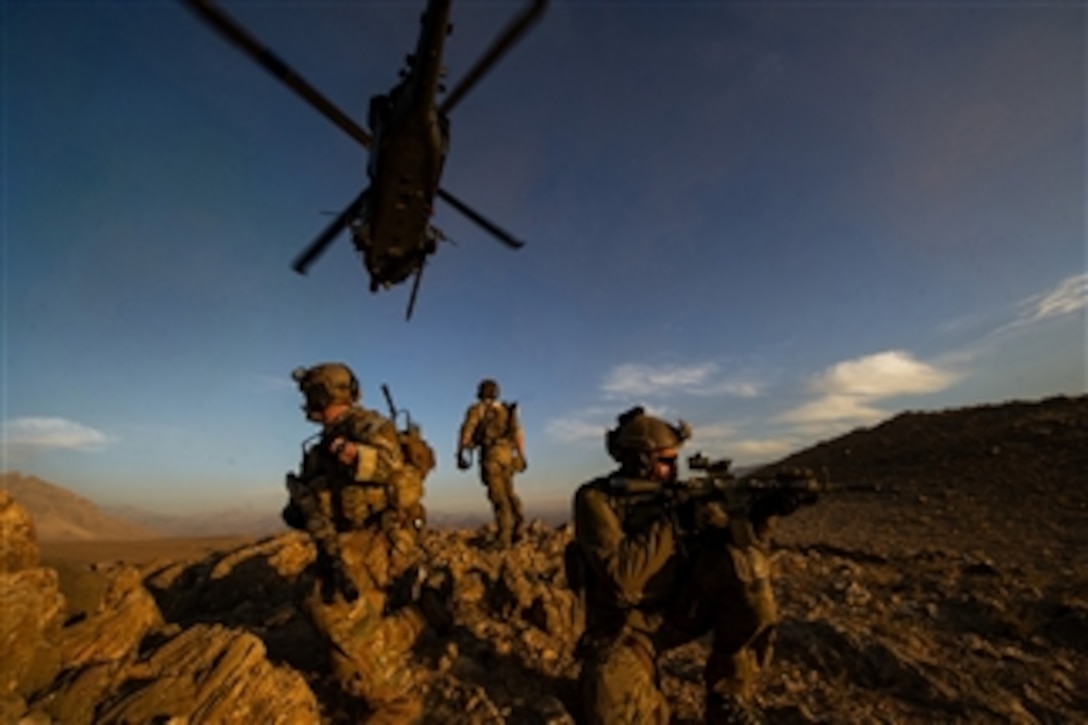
<point>410,142</point>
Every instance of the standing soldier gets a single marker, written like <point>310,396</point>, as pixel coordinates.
<point>648,587</point>
<point>492,427</point>
<point>359,495</point>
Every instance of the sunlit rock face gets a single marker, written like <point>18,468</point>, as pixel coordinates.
<point>31,608</point>
<point>18,542</point>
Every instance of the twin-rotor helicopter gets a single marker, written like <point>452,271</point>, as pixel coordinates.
<point>409,135</point>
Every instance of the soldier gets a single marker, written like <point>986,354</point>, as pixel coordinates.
<point>359,496</point>
<point>492,427</point>
<point>649,587</point>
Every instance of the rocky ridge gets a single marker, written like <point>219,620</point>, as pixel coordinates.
<point>898,607</point>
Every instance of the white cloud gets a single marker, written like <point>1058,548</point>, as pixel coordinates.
<point>719,439</point>
<point>53,433</point>
<point>590,424</point>
<point>848,389</point>
<point>1068,297</point>
<point>882,375</point>
<point>632,379</point>
<point>832,408</point>
<point>766,449</point>
<point>573,429</point>
<point>711,437</point>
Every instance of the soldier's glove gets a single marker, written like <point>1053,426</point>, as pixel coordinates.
<point>463,462</point>
<point>521,464</point>
<point>335,578</point>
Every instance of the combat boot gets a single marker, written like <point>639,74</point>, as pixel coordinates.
<point>728,709</point>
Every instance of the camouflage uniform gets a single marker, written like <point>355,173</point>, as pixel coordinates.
<point>646,593</point>
<point>364,520</point>
<point>493,429</point>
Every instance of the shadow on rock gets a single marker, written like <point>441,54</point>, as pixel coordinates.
<point>250,588</point>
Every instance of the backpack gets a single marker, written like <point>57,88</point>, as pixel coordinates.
<point>417,451</point>
<point>496,426</point>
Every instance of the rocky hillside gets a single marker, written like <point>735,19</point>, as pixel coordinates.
<point>1009,480</point>
<point>60,515</point>
<point>931,601</point>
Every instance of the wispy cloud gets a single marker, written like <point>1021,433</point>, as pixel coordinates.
<point>1068,297</point>
<point>717,439</point>
<point>847,390</point>
<point>590,423</point>
<point>572,429</point>
<point>712,437</point>
<point>765,449</point>
<point>266,382</point>
<point>632,379</point>
<point>831,408</point>
<point>53,433</point>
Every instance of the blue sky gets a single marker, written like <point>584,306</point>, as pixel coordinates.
<point>777,221</point>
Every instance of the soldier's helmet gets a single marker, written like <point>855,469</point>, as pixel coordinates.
<point>488,389</point>
<point>638,435</point>
<point>326,384</point>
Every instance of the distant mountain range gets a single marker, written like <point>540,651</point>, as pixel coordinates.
<point>244,521</point>
<point>60,515</point>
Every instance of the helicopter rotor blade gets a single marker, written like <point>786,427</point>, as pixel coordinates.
<point>317,246</point>
<point>512,34</point>
<point>415,289</point>
<point>229,28</point>
<point>499,233</point>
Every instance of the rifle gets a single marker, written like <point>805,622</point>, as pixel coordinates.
<point>756,497</point>
<point>717,477</point>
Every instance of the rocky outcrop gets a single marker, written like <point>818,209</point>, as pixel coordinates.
<point>204,673</point>
<point>31,608</point>
<point>18,537</point>
<point>120,660</point>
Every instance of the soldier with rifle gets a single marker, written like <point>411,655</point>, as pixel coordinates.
<point>659,563</point>
<point>358,494</point>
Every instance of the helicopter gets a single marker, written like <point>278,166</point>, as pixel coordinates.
<point>408,141</point>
